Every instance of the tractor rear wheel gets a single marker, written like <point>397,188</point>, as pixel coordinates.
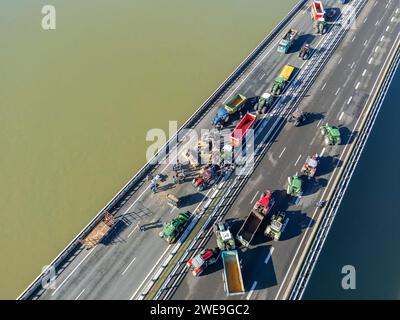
<point>323,131</point>
<point>327,141</point>
<point>264,110</point>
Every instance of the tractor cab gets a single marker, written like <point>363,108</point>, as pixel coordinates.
<point>297,117</point>
<point>274,229</point>
<point>294,186</point>
<point>310,166</point>
<point>201,261</point>
<point>331,134</point>
<point>265,203</point>
<point>225,240</point>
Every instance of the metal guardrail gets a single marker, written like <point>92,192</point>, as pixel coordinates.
<point>163,152</point>
<point>339,192</point>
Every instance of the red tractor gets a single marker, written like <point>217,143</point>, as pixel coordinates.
<point>208,177</point>
<point>201,261</point>
<point>265,203</point>
<point>310,166</point>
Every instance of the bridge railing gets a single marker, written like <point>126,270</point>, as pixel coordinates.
<point>151,165</point>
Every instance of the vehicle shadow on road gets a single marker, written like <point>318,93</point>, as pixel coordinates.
<point>298,221</point>
<point>347,136</point>
<point>113,236</point>
<point>312,185</point>
<point>312,117</point>
<point>253,258</point>
<point>301,40</point>
<point>191,199</point>
<point>327,164</point>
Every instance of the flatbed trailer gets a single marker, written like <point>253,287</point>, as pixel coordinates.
<point>99,231</point>
<point>233,280</point>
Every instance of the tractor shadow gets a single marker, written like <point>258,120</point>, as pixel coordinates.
<point>298,221</point>
<point>327,164</point>
<point>312,117</point>
<point>312,185</point>
<point>347,136</point>
<point>190,199</point>
<point>301,40</point>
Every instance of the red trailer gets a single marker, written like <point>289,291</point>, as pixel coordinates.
<point>317,11</point>
<point>241,129</point>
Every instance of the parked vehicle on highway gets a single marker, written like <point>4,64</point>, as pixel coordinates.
<point>294,186</point>
<point>232,276</point>
<point>304,51</point>
<point>310,166</point>
<point>264,103</point>
<point>235,104</point>
<point>255,218</point>
<point>282,80</point>
<point>287,41</point>
<point>202,260</point>
<point>225,240</point>
<point>318,16</point>
<point>173,229</point>
<point>221,118</point>
<point>173,200</point>
<point>297,117</point>
<point>241,129</point>
<point>331,134</point>
<point>208,177</point>
<point>275,228</point>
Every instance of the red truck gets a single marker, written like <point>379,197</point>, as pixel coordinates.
<point>241,129</point>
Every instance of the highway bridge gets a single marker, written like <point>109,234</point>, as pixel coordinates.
<point>339,85</point>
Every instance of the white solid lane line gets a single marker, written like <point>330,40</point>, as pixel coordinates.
<point>297,160</point>
<point>62,283</point>
<point>254,197</point>
<point>151,271</point>
<point>80,294</point>
<point>126,269</point>
<point>251,290</point>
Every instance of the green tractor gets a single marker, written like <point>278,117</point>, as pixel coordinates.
<point>331,134</point>
<point>175,227</point>
<point>278,86</point>
<point>320,26</point>
<point>264,103</point>
<point>275,228</point>
<point>294,186</point>
<point>225,240</point>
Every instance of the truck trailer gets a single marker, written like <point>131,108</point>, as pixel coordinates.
<point>287,41</point>
<point>253,221</point>
<point>233,281</point>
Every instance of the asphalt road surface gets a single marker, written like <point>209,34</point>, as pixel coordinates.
<point>119,267</point>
